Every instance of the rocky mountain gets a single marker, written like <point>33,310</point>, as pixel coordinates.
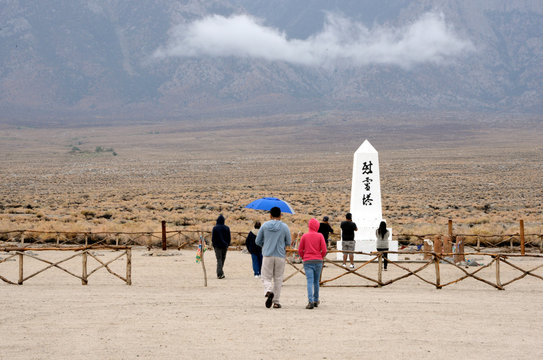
<point>102,60</point>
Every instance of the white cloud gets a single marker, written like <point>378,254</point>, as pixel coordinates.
<point>427,40</point>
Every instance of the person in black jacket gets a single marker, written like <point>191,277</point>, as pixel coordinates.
<point>220,238</point>
<point>325,229</point>
<point>254,250</point>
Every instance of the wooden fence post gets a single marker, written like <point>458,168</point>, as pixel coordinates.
<point>427,249</point>
<point>163,235</point>
<point>522,244</point>
<point>459,254</point>
<point>22,239</point>
<point>438,245</point>
<point>498,281</point>
<point>380,271</point>
<point>21,274</point>
<point>450,229</point>
<point>203,244</point>
<point>438,276</point>
<point>84,276</point>
<point>478,243</point>
<point>447,244</point>
<point>128,266</point>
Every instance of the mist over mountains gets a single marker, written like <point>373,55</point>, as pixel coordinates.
<point>100,60</point>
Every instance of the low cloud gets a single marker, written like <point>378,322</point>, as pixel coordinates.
<point>428,40</point>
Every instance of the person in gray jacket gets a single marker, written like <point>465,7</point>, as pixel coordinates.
<point>382,241</point>
<point>273,237</point>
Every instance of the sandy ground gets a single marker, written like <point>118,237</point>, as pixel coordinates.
<point>168,314</point>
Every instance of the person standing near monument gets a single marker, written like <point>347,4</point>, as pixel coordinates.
<point>220,238</point>
<point>325,229</point>
<point>312,250</point>
<point>382,241</point>
<point>348,227</point>
<point>273,238</point>
<point>254,250</point>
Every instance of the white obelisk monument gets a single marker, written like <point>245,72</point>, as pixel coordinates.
<point>366,203</point>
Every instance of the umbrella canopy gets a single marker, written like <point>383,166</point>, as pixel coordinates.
<point>268,202</point>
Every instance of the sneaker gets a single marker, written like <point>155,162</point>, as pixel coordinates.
<point>344,265</point>
<point>220,277</point>
<point>316,303</point>
<point>351,266</point>
<point>277,306</point>
<point>310,305</point>
<point>269,296</point>
<point>257,276</point>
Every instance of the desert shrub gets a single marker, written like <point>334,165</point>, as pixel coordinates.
<point>88,214</point>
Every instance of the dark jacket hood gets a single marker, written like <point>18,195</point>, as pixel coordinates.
<point>220,220</point>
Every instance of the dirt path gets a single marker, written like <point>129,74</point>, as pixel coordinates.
<point>168,314</point>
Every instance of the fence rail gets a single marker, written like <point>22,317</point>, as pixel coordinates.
<point>173,238</point>
<point>186,238</point>
<point>19,253</point>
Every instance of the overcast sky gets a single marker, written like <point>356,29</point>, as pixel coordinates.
<point>429,39</point>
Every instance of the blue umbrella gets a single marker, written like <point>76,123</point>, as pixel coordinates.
<point>268,202</point>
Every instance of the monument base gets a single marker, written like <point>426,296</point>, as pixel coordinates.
<point>368,246</point>
<point>365,241</point>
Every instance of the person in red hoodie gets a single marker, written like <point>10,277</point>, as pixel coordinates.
<point>312,250</point>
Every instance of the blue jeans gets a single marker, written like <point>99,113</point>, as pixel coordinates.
<point>313,275</point>
<point>257,263</point>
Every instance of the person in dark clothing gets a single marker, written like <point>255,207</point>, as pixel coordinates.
<point>254,250</point>
<point>348,227</point>
<point>325,229</point>
<point>220,238</point>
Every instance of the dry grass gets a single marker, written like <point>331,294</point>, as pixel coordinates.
<point>485,180</point>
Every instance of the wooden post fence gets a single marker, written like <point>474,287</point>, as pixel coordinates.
<point>21,252</point>
<point>437,259</point>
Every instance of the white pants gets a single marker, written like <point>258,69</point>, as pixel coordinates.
<point>273,268</point>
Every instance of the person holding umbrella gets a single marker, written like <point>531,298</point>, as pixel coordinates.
<point>273,238</point>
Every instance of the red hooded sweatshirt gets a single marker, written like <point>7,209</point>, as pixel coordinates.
<point>312,244</point>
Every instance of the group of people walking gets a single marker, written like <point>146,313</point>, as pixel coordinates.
<point>267,244</point>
